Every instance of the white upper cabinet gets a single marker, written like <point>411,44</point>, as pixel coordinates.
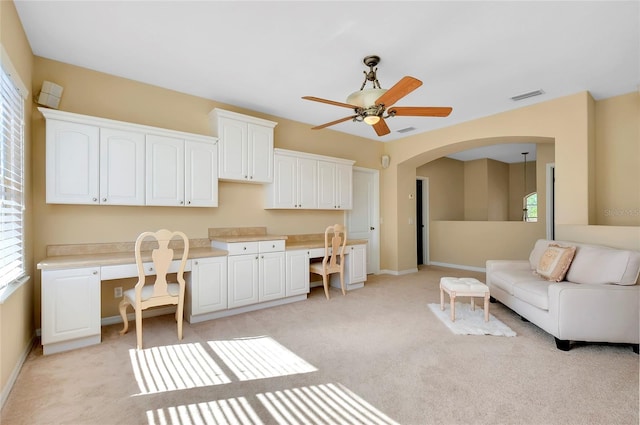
<point>201,174</point>
<point>72,163</point>
<point>295,183</point>
<point>98,161</point>
<point>121,167</point>
<point>181,172</point>
<point>165,171</point>
<point>245,146</point>
<point>309,181</point>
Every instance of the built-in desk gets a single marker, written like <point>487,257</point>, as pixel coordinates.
<point>219,283</point>
<point>71,277</point>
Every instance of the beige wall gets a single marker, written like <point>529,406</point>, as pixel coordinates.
<point>16,313</point>
<point>476,190</point>
<point>446,188</point>
<point>498,188</point>
<point>567,121</point>
<point>97,94</point>
<point>617,160</point>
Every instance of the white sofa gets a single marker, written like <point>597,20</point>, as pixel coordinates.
<point>597,302</point>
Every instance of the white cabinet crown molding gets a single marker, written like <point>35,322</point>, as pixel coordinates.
<point>123,125</point>
<point>317,157</point>
<point>217,112</point>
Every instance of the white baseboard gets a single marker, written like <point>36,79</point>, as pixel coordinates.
<point>458,266</point>
<point>399,272</point>
<point>4,395</point>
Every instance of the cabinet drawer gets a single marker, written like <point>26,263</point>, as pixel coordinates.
<point>121,271</point>
<point>271,246</point>
<point>239,248</point>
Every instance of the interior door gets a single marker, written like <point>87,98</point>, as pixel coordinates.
<point>362,219</point>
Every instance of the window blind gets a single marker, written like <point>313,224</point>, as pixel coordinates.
<point>11,181</point>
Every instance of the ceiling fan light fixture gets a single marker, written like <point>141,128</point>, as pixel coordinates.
<point>372,119</point>
<point>365,98</point>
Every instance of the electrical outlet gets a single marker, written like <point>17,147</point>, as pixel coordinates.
<point>117,292</point>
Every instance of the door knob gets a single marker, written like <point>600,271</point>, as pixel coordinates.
<point>372,228</point>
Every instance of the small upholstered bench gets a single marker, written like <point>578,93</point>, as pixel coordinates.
<point>464,287</point>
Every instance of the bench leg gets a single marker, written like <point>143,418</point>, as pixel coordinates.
<point>486,307</point>
<point>452,297</point>
<point>473,304</point>
<point>441,298</point>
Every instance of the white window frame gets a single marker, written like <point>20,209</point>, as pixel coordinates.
<point>13,96</point>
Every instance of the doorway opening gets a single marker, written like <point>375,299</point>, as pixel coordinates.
<point>422,221</point>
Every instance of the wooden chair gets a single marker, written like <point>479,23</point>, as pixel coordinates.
<point>333,261</point>
<point>161,292</point>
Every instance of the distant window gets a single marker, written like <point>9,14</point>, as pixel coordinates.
<point>530,202</point>
<point>12,267</point>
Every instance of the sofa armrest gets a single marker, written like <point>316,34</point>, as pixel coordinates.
<point>591,312</point>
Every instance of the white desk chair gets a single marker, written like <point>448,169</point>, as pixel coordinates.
<point>161,292</point>
<point>333,261</point>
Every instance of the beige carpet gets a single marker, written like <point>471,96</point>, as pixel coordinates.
<point>377,355</point>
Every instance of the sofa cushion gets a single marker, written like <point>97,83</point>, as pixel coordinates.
<point>506,279</point>
<point>601,265</point>
<point>534,292</point>
<point>555,261</point>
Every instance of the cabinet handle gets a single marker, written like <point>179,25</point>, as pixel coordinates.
<point>245,248</point>
<point>104,199</point>
<point>246,177</point>
<point>251,177</point>
<point>273,246</point>
<point>196,263</point>
<point>256,257</point>
<point>181,202</point>
<point>95,272</point>
<point>95,199</point>
<point>188,202</point>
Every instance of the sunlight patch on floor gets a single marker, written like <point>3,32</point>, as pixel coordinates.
<point>258,358</point>
<point>321,404</point>
<point>229,411</point>
<point>175,367</point>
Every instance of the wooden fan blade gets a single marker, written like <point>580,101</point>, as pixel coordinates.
<point>420,111</point>
<point>330,102</point>
<point>334,122</point>
<point>402,88</point>
<point>381,127</point>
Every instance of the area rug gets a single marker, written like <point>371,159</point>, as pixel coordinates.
<point>469,322</point>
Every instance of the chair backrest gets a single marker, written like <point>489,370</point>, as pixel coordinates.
<point>162,256</point>
<point>335,237</point>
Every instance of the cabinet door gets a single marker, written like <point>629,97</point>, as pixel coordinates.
<point>201,174</point>
<point>297,273</point>
<point>243,280</point>
<point>232,135</point>
<point>260,153</point>
<point>356,266</point>
<point>326,185</point>
<point>164,171</point>
<point>307,187</point>
<point>70,304</point>
<point>72,164</point>
<point>272,276</point>
<point>122,158</point>
<point>344,182</point>
<point>282,192</point>
<point>209,285</point>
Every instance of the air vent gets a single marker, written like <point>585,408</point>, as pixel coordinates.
<point>406,129</point>
<point>527,95</point>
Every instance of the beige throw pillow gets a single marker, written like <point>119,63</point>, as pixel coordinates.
<point>555,262</point>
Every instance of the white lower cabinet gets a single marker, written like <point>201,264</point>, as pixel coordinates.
<point>243,280</point>
<point>297,274</point>
<point>70,308</point>
<point>206,286</point>
<point>356,264</point>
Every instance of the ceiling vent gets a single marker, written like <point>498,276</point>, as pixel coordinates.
<point>406,129</point>
<point>527,95</point>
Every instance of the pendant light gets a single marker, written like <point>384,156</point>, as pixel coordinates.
<point>524,194</point>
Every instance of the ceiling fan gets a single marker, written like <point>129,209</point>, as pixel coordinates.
<point>370,105</point>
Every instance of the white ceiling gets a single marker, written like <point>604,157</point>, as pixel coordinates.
<point>266,55</point>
